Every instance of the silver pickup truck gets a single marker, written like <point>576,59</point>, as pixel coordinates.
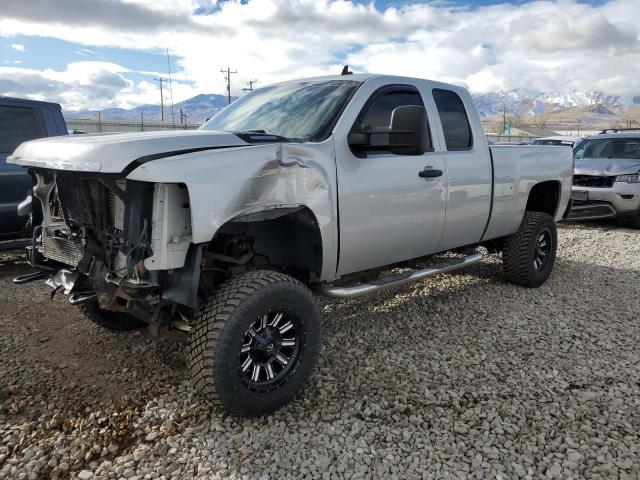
<point>310,186</point>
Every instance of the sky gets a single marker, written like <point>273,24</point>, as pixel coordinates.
<point>96,54</point>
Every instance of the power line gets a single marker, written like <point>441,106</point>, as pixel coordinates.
<point>250,87</point>
<point>227,76</point>
<point>161,80</point>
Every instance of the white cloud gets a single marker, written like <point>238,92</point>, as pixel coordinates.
<point>552,45</point>
<point>84,85</point>
<point>18,47</point>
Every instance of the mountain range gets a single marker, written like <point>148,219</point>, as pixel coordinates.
<point>524,102</point>
<point>562,110</point>
<point>573,110</point>
<point>195,110</point>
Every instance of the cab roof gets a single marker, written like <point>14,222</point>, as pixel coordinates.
<point>363,77</point>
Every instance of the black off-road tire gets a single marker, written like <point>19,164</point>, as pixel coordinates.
<point>114,321</point>
<point>520,251</point>
<point>221,328</point>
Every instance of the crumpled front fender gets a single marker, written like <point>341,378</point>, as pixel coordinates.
<point>225,184</point>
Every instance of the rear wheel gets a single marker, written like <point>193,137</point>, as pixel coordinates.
<point>114,321</point>
<point>255,343</point>
<point>529,255</point>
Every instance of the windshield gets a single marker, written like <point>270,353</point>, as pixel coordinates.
<point>302,111</point>
<point>609,148</point>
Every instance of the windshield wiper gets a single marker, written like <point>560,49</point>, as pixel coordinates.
<point>260,135</point>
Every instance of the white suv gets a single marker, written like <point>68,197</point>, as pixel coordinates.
<point>606,183</point>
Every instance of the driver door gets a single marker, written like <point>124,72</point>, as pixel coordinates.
<point>388,210</point>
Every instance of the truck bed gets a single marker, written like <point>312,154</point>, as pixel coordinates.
<point>516,168</point>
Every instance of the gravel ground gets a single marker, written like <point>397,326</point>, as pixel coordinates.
<point>462,376</point>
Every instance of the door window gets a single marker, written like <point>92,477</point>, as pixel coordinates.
<point>376,116</point>
<point>17,125</point>
<point>454,120</point>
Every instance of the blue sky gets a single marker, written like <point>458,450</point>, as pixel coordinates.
<point>90,54</point>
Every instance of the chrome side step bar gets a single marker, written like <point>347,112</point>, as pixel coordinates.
<point>391,282</point>
<point>81,297</point>
<point>29,277</point>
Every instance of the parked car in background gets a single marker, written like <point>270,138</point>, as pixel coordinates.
<point>558,140</point>
<point>21,120</point>
<point>223,233</point>
<point>606,183</point>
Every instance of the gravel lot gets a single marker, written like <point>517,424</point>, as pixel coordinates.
<point>462,376</point>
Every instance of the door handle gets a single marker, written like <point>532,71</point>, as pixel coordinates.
<point>430,172</point>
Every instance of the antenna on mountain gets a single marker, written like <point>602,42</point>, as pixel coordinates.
<point>173,118</point>
<point>345,70</point>
<point>250,87</point>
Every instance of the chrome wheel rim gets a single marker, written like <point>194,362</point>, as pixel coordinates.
<point>270,350</point>
<point>542,250</point>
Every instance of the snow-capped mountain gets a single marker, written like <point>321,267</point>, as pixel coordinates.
<point>197,109</point>
<point>524,102</point>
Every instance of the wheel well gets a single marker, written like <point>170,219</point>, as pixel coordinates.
<point>286,238</point>
<point>544,197</point>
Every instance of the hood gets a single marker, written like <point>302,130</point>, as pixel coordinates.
<point>606,167</point>
<point>112,153</point>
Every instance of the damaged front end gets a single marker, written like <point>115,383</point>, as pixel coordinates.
<point>119,242</point>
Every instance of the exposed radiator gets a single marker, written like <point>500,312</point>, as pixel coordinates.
<point>62,250</point>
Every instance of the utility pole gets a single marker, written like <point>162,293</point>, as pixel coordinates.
<point>173,118</point>
<point>504,119</point>
<point>227,76</point>
<point>161,80</point>
<point>250,87</point>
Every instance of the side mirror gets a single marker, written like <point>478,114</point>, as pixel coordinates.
<point>408,132</point>
<point>358,138</point>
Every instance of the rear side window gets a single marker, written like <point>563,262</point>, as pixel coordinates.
<point>17,125</point>
<point>455,123</point>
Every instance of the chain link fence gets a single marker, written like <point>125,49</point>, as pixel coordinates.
<point>94,126</point>
<point>510,138</point>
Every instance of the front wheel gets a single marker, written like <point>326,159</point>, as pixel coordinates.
<point>529,254</point>
<point>255,342</point>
